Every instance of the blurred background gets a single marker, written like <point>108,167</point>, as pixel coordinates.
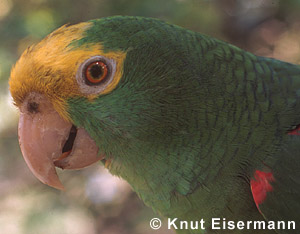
<point>95,202</point>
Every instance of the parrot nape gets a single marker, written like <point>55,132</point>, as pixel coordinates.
<point>199,128</point>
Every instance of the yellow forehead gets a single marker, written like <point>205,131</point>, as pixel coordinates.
<point>50,67</point>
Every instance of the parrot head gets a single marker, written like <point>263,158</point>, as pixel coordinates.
<point>44,79</point>
<point>111,89</point>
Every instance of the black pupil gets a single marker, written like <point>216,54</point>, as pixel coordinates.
<point>96,71</point>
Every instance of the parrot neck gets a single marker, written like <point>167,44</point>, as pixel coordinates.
<point>157,172</point>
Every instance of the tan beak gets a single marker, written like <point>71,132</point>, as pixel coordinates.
<point>44,134</point>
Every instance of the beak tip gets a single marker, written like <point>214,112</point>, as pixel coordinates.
<point>56,184</point>
<point>61,188</point>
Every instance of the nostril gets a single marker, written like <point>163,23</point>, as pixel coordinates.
<point>33,107</point>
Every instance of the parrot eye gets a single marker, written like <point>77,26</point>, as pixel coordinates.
<point>95,74</point>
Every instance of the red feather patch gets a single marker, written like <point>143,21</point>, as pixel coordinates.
<point>295,132</point>
<point>260,186</point>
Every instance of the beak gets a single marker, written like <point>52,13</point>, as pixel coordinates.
<point>47,140</point>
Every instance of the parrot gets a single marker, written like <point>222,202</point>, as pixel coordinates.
<point>199,128</point>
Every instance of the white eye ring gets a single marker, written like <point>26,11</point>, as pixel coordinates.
<point>88,88</point>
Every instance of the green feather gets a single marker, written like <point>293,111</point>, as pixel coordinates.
<point>191,119</point>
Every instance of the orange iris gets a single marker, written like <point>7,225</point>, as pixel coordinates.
<point>96,72</point>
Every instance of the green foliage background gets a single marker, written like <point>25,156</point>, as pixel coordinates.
<point>95,202</point>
